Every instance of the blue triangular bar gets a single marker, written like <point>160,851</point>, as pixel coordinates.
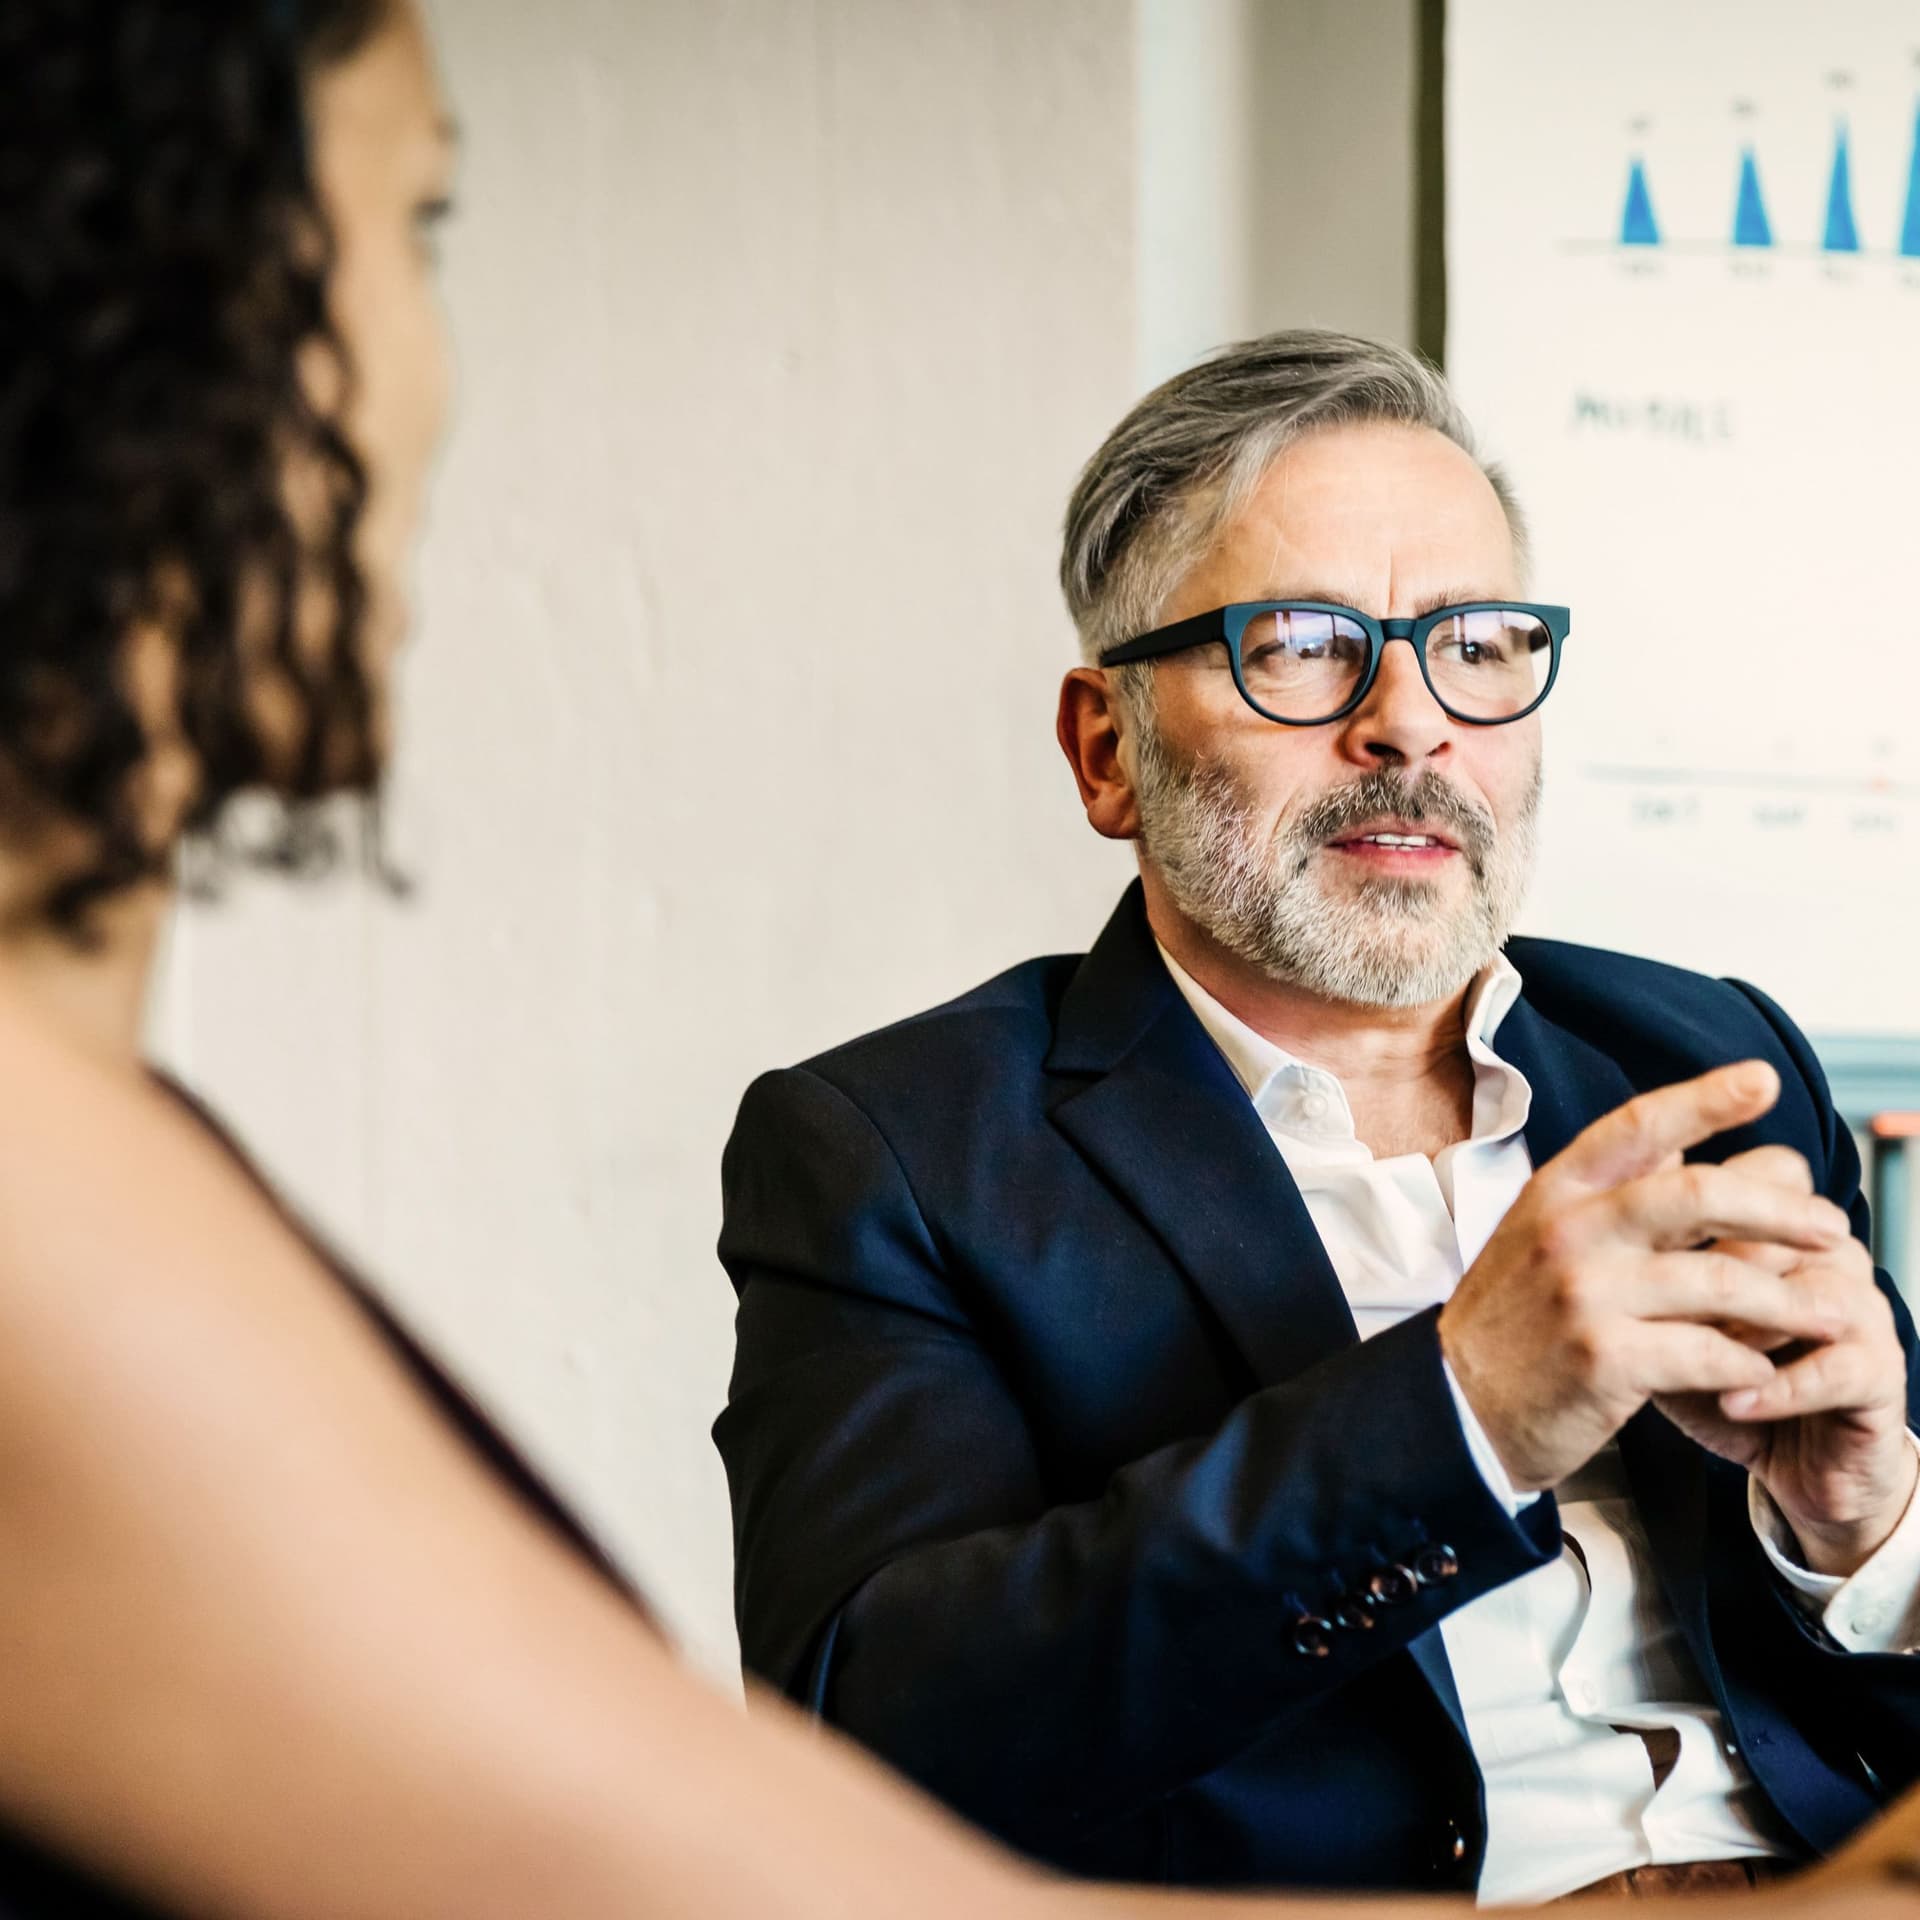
<point>1842,236</point>
<point>1751,227</point>
<point>1638,227</point>
<point>1910,227</point>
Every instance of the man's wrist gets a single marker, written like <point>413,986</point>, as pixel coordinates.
<point>1839,1549</point>
<point>1486,1456</point>
<point>1840,1552</point>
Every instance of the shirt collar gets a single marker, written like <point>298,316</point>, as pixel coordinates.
<point>1293,1094</point>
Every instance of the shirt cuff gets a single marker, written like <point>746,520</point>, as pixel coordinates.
<point>1876,1608</point>
<point>1499,1483</point>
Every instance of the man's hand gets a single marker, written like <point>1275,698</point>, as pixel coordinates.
<point>1598,1291</point>
<point>1827,1435</point>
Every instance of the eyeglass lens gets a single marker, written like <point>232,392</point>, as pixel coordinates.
<point>1305,666</point>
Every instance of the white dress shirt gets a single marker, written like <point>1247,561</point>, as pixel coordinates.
<point>1561,1670</point>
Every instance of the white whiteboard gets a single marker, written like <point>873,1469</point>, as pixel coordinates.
<point>1683,267</point>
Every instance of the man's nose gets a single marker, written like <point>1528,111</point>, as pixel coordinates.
<point>1399,722</point>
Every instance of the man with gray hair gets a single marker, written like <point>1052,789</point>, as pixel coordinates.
<point>1317,1391</point>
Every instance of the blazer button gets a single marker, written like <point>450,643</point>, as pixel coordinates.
<point>1354,1613</point>
<point>1313,1637</point>
<point>1393,1586</point>
<point>1431,1565</point>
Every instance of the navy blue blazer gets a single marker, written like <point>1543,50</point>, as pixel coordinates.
<point>1049,1424</point>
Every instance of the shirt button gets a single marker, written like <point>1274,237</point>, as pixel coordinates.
<point>1314,1106</point>
<point>1867,1619</point>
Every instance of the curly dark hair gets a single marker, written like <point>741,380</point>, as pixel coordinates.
<point>163,277</point>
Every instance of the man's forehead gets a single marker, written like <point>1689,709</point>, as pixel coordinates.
<point>1353,515</point>
<point>1405,482</point>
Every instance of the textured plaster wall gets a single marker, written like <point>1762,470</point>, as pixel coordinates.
<point>1333,132</point>
<point>1277,171</point>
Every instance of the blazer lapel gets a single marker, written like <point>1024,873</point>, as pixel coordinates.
<point>1573,1083</point>
<point>1165,1121</point>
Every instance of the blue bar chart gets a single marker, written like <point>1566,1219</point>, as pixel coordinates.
<point>1753,227</point>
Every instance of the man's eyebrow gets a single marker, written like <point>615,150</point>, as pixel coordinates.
<point>1429,603</point>
<point>1325,595</point>
<point>1462,597</point>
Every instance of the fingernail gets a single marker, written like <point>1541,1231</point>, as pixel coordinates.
<point>1754,1079</point>
<point>1742,1400</point>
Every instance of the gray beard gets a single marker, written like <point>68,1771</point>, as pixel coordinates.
<point>1387,943</point>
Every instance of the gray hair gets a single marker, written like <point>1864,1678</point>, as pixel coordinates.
<point>1185,460</point>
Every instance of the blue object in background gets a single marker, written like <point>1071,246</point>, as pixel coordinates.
<point>1638,226</point>
<point>1842,236</point>
<point>1873,1080</point>
<point>1910,227</point>
<point>1751,227</point>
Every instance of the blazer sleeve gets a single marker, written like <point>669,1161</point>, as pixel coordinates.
<point>1863,1707</point>
<point>902,1571</point>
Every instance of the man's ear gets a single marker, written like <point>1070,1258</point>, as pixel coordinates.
<point>1090,726</point>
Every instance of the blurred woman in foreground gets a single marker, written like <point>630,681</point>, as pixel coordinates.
<point>285,1630</point>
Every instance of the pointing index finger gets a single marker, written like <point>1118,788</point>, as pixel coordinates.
<point>1636,1138</point>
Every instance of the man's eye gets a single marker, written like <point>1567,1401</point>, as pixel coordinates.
<point>1285,653</point>
<point>1476,653</point>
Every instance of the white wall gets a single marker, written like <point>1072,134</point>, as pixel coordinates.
<point>1277,172</point>
<point>1333,124</point>
<point>1196,84</point>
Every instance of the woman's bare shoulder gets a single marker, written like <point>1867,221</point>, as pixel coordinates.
<point>113,1194</point>
<point>277,1646</point>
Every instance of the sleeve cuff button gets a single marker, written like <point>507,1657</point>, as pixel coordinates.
<point>1354,1613</point>
<point>1313,1637</point>
<point>1393,1586</point>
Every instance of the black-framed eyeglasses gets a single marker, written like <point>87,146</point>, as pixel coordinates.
<point>1306,662</point>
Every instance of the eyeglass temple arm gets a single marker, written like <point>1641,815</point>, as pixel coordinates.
<point>1196,631</point>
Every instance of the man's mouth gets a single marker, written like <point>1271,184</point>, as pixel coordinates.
<point>1396,837</point>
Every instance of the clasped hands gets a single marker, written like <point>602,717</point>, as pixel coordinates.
<point>1732,1297</point>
